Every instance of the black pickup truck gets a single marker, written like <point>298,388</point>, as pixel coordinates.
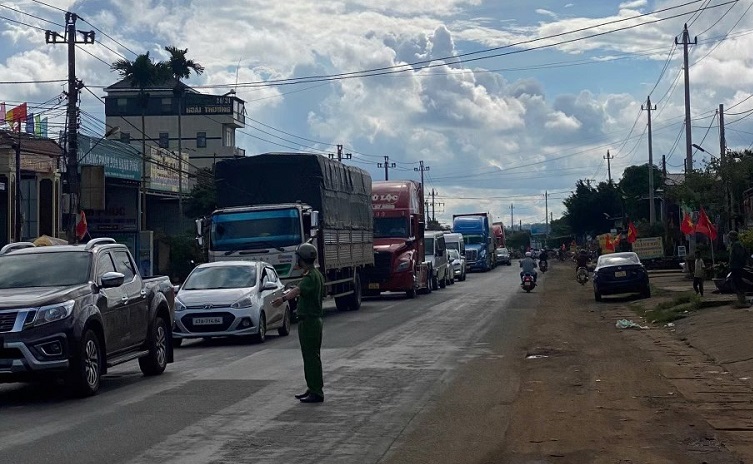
<point>73,311</point>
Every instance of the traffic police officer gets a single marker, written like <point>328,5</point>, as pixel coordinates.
<point>310,292</point>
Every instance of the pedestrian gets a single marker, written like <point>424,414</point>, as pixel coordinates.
<point>699,274</point>
<point>310,292</point>
<point>738,257</point>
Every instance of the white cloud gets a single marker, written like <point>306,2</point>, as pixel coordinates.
<point>544,12</point>
<point>632,5</point>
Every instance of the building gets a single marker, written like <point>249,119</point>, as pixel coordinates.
<point>207,122</point>
<point>39,185</point>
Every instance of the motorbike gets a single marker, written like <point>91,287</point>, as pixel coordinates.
<point>544,266</point>
<point>527,284</point>
<point>581,275</point>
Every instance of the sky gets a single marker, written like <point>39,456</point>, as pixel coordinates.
<point>503,100</point>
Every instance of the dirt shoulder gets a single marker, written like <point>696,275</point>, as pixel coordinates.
<point>588,393</point>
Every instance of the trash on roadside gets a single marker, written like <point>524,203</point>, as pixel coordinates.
<point>626,324</point>
<point>536,356</point>
<point>671,324</point>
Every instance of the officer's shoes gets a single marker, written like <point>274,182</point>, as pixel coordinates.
<point>312,398</point>
<point>302,395</point>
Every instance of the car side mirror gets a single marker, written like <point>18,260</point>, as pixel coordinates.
<point>176,288</point>
<point>111,280</point>
<point>269,286</point>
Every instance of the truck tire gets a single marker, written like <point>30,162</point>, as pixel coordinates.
<point>155,362</point>
<point>85,372</point>
<point>351,302</point>
<point>443,280</point>
<point>410,294</point>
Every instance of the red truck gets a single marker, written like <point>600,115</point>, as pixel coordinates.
<point>398,239</point>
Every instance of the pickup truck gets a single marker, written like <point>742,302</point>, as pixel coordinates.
<point>73,311</point>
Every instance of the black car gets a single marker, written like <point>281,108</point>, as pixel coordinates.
<point>73,311</point>
<point>618,273</point>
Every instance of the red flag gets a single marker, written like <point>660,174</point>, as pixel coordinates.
<point>705,226</point>
<point>608,243</point>
<point>687,226</point>
<point>82,228</point>
<point>15,116</point>
<point>632,234</point>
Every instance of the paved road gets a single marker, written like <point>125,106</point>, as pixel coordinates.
<point>224,402</point>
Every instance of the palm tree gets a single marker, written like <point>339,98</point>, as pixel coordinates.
<point>142,73</point>
<point>181,68</point>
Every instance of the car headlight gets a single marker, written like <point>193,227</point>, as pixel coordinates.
<point>244,302</point>
<point>403,266</point>
<point>179,306</point>
<point>483,253</point>
<point>52,313</point>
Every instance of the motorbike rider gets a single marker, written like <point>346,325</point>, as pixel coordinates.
<point>529,267</point>
<point>582,259</point>
<point>543,256</point>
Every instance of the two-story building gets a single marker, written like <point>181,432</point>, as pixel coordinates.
<point>204,124</point>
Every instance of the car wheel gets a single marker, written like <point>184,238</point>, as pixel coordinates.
<point>155,362</point>
<point>451,281</point>
<point>177,342</point>
<point>597,296</point>
<point>443,282</point>
<point>261,337</point>
<point>85,373</point>
<point>284,330</point>
<point>464,276</point>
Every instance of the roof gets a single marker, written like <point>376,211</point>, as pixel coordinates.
<point>30,143</point>
<point>675,179</point>
<point>170,84</point>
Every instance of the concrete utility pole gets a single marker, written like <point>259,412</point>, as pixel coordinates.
<point>340,155</point>
<point>688,126</point>
<point>546,215</point>
<point>651,206</point>
<point>422,169</point>
<point>18,216</point>
<point>512,216</point>
<point>74,85</point>
<point>724,161</point>
<point>434,204</point>
<point>609,159</point>
<point>387,165</point>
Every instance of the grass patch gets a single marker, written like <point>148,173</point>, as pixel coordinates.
<point>670,310</point>
<point>658,291</point>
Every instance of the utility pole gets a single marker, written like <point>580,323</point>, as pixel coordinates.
<point>688,126</point>
<point>387,165</point>
<point>609,159</point>
<point>18,216</point>
<point>74,85</point>
<point>434,204</point>
<point>546,215</point>
<point>340,155</point>
<point>422,169</point>
<point>512,217</point>
<point>651,206</point>
<point>725,177</point>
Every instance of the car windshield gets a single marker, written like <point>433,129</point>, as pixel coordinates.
<point>454,254</point>
<point>252,230</point>
<point>390,227</point>
<point>618,260</point>
<point>473,239</point>
<point>48,269</point>
<point>217,277</point>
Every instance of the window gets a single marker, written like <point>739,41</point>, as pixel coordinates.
<point>164,140</point>
<point>122,105</point>
<point>104,264</point>
<point>201,140</point>
<point>167,105</point>
<point>228,139</point>
<point>272,275</point>
<point>125,137</point>
<point>124,265</point>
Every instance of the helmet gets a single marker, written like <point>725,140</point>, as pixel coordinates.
<point>528,254</point>
<point>306,252</point>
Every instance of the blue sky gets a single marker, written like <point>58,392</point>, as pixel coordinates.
<point>495,131</point>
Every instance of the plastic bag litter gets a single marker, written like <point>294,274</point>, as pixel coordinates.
<point>626,324</point>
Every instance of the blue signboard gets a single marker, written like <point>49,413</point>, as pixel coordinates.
<point>120,160</point>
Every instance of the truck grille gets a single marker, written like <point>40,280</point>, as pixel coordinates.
<point>227,320</point>
<point>7,321</point>
<point>471,255</point>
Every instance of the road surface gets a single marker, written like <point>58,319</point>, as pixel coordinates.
<point>227,402</point>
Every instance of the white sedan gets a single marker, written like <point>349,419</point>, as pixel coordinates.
<point>230,299</point>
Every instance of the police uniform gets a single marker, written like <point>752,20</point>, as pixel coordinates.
<point>310,314</point>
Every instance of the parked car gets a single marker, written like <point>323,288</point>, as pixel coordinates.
<point>617,273</point>
<point>503,256</point>
<point>73,311</point>
<point>230,299</point>
<point>457,261</point>
<point>436,256</point>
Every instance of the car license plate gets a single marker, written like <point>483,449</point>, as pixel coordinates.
<point>207,320</point>
<point>620,274</point>
<point>373,286</point>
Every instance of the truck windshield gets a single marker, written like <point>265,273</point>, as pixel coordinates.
<point>453,246</point>
<point>390,227</point>
<point>59,269</point>
<point>252,230</point>
<point>473,239</point>
<point>429,246</point>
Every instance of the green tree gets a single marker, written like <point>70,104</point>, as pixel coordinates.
<point>203,198</point>
<point>633,187</point>
<point>588,209</point>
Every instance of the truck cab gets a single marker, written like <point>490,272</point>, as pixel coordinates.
<point>479,242</point>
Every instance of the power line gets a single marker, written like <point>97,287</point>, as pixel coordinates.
<point>109,37</point>
<point>49,6</point>
<point>31,15</point>
<point>23,23</point>
<point>725,37</point>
